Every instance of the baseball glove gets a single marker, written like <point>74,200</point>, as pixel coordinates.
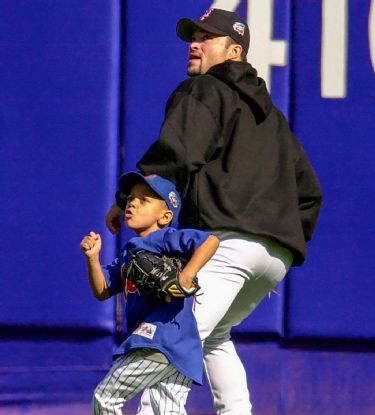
<point>158,276</point>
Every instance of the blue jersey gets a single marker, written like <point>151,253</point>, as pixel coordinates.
<point>171,327</point>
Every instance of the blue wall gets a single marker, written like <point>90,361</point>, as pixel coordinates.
<point>83,87</point>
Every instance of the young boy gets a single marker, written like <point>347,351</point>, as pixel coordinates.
<point>163,350</point>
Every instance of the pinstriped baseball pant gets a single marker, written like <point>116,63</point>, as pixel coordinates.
<point>133,373</point>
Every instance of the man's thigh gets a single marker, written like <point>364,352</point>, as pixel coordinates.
<point>240,274</point>
<point>249,297</point>
<point>218,291</point>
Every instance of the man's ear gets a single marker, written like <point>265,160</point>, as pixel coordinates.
<point>165,218</point>
<point>234,52</point>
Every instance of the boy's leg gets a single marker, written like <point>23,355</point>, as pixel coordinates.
<point>129,375</point>
<point>169,395</point>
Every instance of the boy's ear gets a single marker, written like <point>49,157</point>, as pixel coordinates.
<point>165,218</point>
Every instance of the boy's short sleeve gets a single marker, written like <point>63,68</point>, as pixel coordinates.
<point>169,241</point>
<point>184,241</point>
<point>112,274</point>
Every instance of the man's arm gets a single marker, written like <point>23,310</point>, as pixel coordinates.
<point>309,195</point>
<point>113,220</point>
<point>91,246</point>
<point>199,258</point>
<point>189,136</point>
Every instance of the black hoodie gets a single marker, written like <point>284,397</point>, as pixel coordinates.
<point>232,155</point>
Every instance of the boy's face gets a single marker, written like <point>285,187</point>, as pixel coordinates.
<point>145,211</point>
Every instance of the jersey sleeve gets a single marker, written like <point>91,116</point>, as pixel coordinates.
<point>183,241</point>
<point>112,273</point>
<point>169,241</point>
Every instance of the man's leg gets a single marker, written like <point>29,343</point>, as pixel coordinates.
<point>230,392</point>
<point>221,284</point>
<point>236,280</point>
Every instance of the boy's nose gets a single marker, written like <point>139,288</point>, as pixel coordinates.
<point>133,203</point>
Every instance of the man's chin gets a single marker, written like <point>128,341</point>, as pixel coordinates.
<point>193,70</point>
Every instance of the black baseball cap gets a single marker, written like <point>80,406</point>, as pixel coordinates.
<point>217,22</point>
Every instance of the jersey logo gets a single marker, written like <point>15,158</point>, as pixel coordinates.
<point>127,285</point>
<point>146,330</point>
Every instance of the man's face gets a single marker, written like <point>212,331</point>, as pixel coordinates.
<point>206,50</point>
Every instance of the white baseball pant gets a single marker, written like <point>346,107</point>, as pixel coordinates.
<point>132,373</point>
<point>244,269</point>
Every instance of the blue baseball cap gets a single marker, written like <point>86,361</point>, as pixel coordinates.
<point>162,187</point>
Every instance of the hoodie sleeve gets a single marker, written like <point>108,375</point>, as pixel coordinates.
<point>309,195</point>
<point>188,138</point>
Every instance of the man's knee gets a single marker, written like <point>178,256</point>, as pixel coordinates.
<point>216,343</point>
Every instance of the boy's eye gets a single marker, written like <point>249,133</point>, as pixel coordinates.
<point>140,199</point>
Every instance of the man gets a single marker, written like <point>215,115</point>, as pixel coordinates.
<point>244,176</point>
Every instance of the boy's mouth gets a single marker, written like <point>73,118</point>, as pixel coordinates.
<point>128,214</point>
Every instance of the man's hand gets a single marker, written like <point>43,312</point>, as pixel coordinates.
<point>112,220</point>
<point>91,245</point>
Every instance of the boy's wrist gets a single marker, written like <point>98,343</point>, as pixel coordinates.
<point>93,259</point>
<point>186,280</point>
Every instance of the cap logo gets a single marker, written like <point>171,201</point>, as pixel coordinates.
<point>239,28</point>
<point>204,16</point>
<point>173,199</point>
<point>151,176</point>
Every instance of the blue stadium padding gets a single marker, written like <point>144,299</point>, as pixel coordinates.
<point>52,371</point>
<point>59,77</point>
<point>308,378</point>
<point>332,294</point>
<point>150,80</point>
